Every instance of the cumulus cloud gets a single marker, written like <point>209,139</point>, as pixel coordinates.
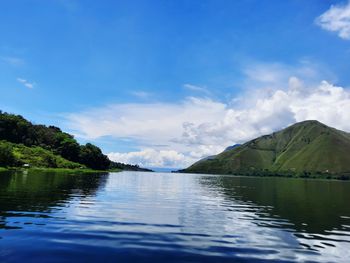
<point>153,123</point>
<point>26,83</point>
<point>327,103</point>
<point>179,133</point>
<point>336,19</point>
<point>153,158</point>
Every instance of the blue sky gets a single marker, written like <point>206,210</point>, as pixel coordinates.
<point>87,65</point>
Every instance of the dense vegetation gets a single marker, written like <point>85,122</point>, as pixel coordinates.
<point>22,142</point>
<point>15,155</point>
<point>306,149</point>
<point>127,167</point>
<point>17,130</point>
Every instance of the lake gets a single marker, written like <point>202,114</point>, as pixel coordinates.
<point>164,217</point>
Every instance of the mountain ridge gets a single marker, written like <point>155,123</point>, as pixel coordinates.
<point>308,148</point>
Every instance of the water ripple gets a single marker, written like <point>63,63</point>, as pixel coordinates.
<point>158,217</point>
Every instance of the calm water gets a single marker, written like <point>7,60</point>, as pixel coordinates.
<point>162,217</point>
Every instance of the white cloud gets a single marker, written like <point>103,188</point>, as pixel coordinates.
<point>179,133</point>
<point>156,125</point>
<point>276,75</point>
<point>26,83</point>
<point>336,19</point>
<point>196,88</point>
<point>13,61</point>
<point>152,158</point>
<point>141,94</point>
<point>153,123</point>
<point>279,108</point>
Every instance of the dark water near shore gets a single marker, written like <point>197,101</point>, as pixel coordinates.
<point>163,217</point>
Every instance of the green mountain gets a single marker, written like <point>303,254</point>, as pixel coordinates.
<point>307,149</point>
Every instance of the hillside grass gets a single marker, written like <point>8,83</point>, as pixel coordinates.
<point>41,160</point>
<point>39,157</point>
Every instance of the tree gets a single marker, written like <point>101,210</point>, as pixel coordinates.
<point>92,157</point>
<point>6,155</point>
<point>67,147</point>
<point>50,161</point>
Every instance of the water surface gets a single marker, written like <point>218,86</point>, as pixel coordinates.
<point>164,217</point>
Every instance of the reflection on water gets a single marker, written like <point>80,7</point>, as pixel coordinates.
<point>37,194</point>
<point>158,217</point>
<point>314,214</point>
<point>311,205</point>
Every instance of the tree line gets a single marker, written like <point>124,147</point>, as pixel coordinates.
<point>18,130</point>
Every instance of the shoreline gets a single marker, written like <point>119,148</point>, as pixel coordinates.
<point>338,177</point>
<point>55,170</point>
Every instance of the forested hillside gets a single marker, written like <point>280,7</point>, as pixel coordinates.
<point>47,146</point>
